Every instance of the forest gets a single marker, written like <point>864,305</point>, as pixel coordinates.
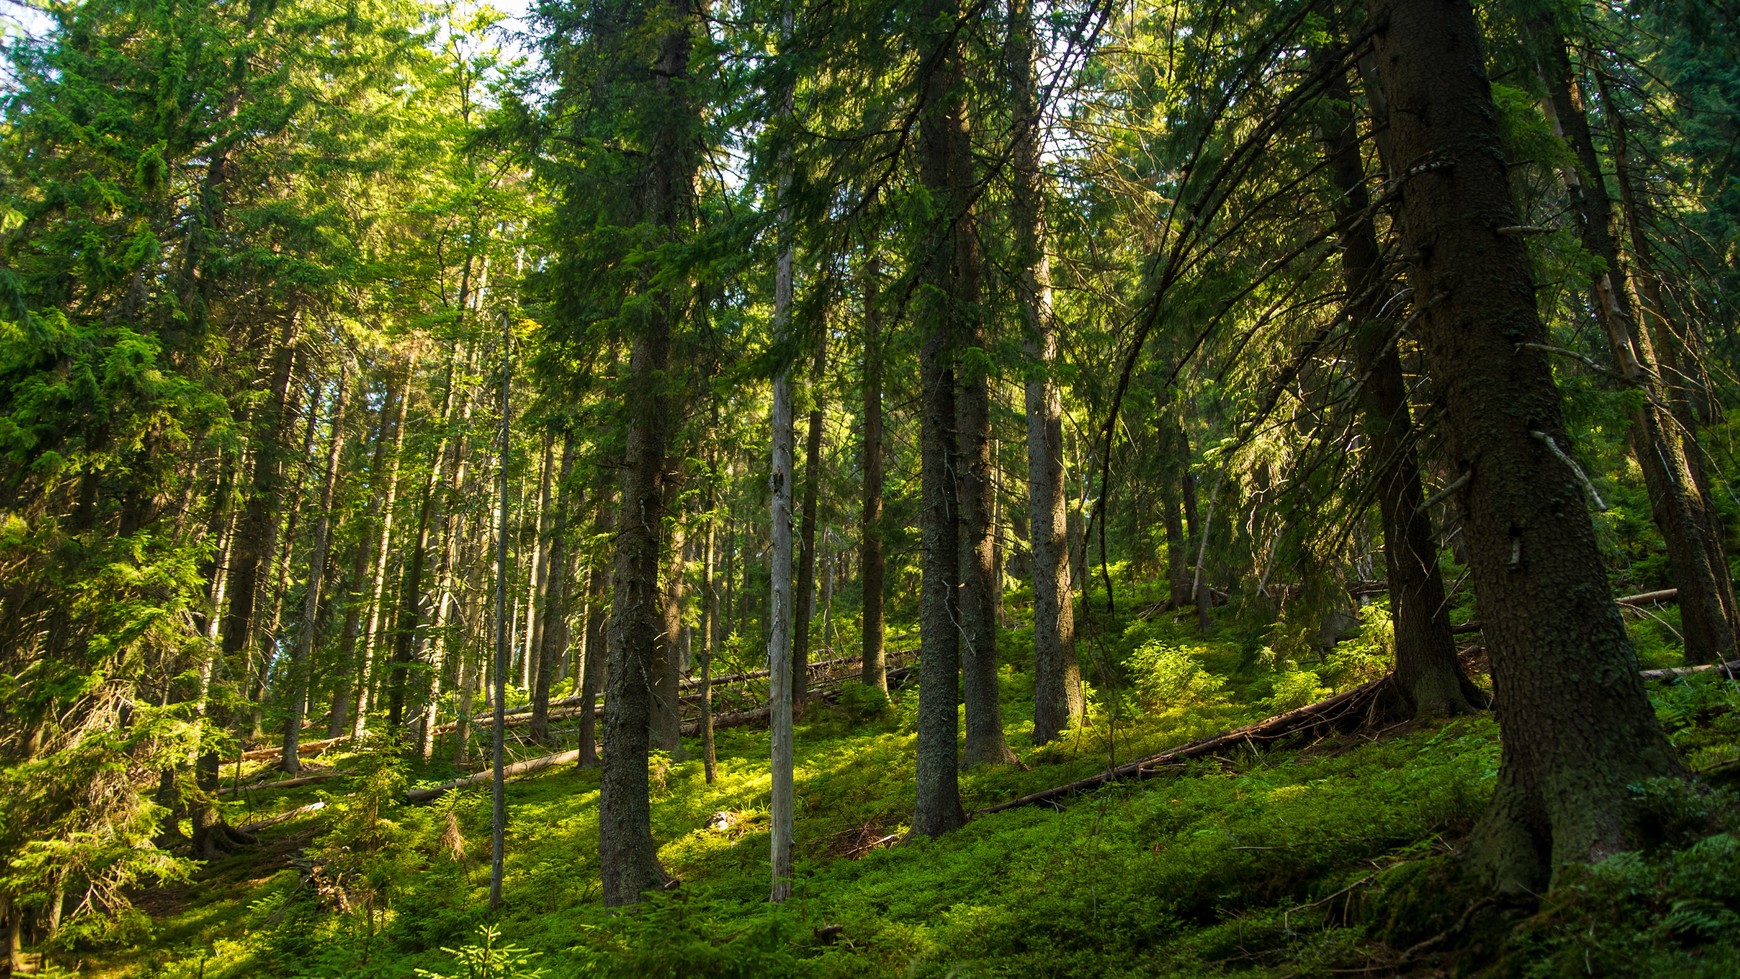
<point>890,487</point>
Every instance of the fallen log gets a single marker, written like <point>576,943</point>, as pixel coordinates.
<point>258,824</point>
<point>288,783</point>
<point>512,771</point>
<point>1730,669</point>
<point>1361,700</point>
<point>305,748</point>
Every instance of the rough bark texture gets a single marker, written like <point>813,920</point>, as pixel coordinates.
<point>1577,727</point>
<point>945,171</point>
<point>627,855</point>
<point>875,672</point>
<point>1428,672</point>
<point>1681,513</point>
<point>1057,696</point>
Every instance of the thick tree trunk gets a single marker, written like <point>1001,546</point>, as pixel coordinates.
<point>627,855</point>
<point>1578,730</point>
<point>806,581</point>
<point>302,661</point>
<point>1057,696</point>
<point>947,265</point>
<point>875,663</point>
<point>1428,672</point>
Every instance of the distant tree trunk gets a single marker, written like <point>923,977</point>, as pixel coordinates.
<point>597,642</point>
<point>553,633</point>
<point>302,660</point>
<point>1428,674</point>
<point>376,632</point>
<point>252,547</point>
<point>666,722</point>
<point>1578,730</point>
<point>538,578</point>
<point>1681,512</point>
<point>338,719</point>
<point>1057,696</point>
<point>1687,387</point>
<point>806,583</point>
<point>1176,496</point>
<point>709,611</point>
<point>875,665</point>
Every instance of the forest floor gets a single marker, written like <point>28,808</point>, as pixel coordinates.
<point>1322,857</point>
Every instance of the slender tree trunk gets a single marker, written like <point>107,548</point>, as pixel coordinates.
<point>780,663</point>
<point>806,582</point>
<point>597,621</point>
<point>709,611</point>
<point>1175,497</point>
<point>553,633</point>
<point>667,721</point>
<point>302,661</point>
<point>1681,512</point>
<point>1057,696</point>
<point>538,578</point>
<point>1578,730</point>
<point>1428,674</point>
<point>498,753</point>
<point>375,635</point>
<point>875,664</point>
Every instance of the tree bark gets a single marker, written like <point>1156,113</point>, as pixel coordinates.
<point>875,668</point>
<point>1428,672</point>
<point>1578,730</point>
<point>667,721</point>
<point>1057,695</point>
<point>806,581</point>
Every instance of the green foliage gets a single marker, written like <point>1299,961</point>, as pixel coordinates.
<point>488,959</point>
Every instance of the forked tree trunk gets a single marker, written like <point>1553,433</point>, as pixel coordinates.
<point>1578,730</point>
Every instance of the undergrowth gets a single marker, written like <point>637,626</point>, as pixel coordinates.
<point>1324,857</point>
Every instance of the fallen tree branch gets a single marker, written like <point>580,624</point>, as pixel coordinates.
<point>511,771</point>
<point>305,748</point>
<point>288,783</point>
<point>1730,669</point>
<point>1358,701</point>
<point>283,817</point>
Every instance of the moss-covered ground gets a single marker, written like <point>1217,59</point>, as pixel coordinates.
<point>1325,857</point>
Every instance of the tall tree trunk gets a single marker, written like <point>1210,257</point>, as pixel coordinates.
<point>667,719</point>
<point>1578,730</point>
<point>709,610</point>
<point>1428,673</point>
<point>1175,497</point>
<point>806,582</point>
<point>376,632</point>
<point>1057,696</point>
<point>780,616</point>
<point>597,627</point>
<point>627,856</point>
<point>947,257</point>
<point>251,548</point>
<point>875,664</point>
<point>302,661</point>
<point>344,665</point>
<point>538,578</point>
<point>553,633</point>
<point>1681,512</point>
